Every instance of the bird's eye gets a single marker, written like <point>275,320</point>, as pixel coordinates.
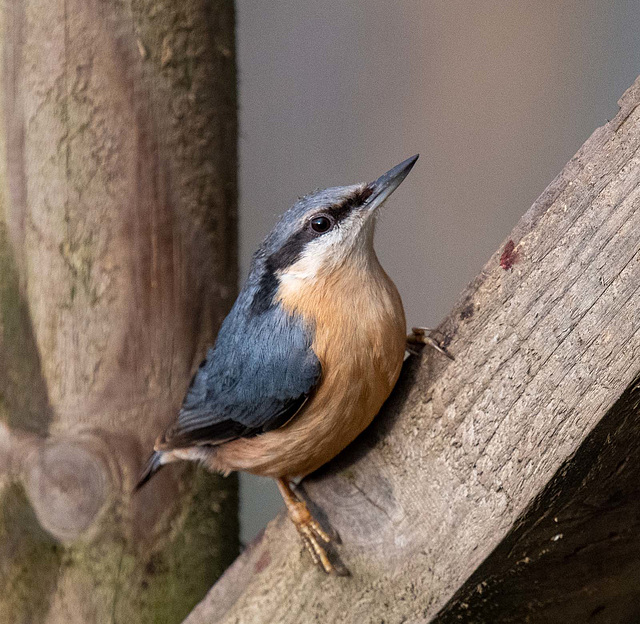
<point>321,224</point>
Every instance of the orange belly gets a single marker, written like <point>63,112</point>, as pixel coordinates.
<point>359,339</point>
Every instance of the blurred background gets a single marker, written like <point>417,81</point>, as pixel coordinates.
<point>496,96</point>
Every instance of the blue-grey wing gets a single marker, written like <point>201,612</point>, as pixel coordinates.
<point>257,377</point>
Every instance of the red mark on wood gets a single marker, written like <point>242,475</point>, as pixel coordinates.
<point>263,562</point>
<point>509,256</point>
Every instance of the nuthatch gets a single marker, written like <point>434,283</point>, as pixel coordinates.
<point>308,354</point>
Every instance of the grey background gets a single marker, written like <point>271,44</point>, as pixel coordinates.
<point>495,96</point>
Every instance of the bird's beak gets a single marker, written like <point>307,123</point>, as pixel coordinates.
<point>389,182</point>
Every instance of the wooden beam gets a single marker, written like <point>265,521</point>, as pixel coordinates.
<point>118,161</point>
<point>546,342</point>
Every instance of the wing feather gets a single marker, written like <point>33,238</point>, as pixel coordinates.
<point>258,376</point>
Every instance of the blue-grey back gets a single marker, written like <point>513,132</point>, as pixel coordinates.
<point>261,364</point>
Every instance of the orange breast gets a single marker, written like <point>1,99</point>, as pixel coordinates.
<point>360,338</point>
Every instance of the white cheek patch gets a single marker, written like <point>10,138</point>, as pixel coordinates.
<point>307,267</point>
<point>349,240</point>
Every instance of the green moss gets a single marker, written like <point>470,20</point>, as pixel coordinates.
<point>179,575</point>
<point>163,586</point>
<point>120,583</point>
<point>21,384</point>
<point>29,561</point>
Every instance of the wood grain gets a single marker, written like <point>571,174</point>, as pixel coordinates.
<point>545,342</point>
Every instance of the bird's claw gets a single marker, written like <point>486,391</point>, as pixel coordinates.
<point>312,535</point>
<point>421,336</point>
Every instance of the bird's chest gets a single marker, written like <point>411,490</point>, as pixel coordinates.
<point>359,338</point>
<point>357,319</point>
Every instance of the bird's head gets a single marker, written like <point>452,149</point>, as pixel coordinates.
<point>327,228</point>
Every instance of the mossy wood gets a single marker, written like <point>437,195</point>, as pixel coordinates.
<point>117,264</point>
<point>502,486</point>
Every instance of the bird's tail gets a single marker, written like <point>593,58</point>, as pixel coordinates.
<point>154,463</point>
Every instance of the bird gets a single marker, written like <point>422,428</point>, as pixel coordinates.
<point>309,352</point>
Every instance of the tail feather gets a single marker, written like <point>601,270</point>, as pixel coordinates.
<point>154,463</point>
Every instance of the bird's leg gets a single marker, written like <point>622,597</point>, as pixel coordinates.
<point>421,336</point>
<point>310,531</point>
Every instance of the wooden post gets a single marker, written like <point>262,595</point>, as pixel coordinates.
<point>117,265</point>
<point>467,454</point>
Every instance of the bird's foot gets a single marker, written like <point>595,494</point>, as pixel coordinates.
<point>314,537</point>
<point>422,336</point>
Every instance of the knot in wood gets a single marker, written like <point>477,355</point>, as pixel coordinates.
<point>69,482</point>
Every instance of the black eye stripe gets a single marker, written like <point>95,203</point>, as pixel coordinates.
<point>292,248</point>
<point>344,208</point>
<point>341,210</point>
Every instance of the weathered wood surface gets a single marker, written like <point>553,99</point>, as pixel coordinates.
<point>574,556</point>
<point>117,265</point>
<point>545,342</point>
